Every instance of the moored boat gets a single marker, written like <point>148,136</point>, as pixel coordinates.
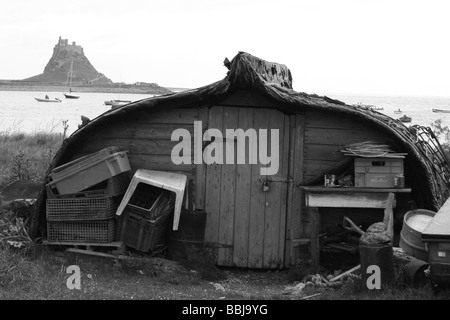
<point>69,82</point>
<point>112,102</point>
<point>117,104</point>
<point>367,106</point>
<point>441,110</point>
<point>47,100</point>
<point>398,111</point>
<point>405,118</point>
<point>71,96</point>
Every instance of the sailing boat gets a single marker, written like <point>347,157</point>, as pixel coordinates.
<point>69,81</point>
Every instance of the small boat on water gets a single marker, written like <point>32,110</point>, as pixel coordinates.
<point>69,82</point>
<point>398,111</point>
<point>46,99</point>
<point>441,111</point>
<point>71,96</point>
<point>367,106</point>
<point>112,102</point>
<point>405,118</point>
<point>117,104</point>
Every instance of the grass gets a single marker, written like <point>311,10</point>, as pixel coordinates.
<point>44,276</point>
<point>26,156</point>
<point>41,274</point>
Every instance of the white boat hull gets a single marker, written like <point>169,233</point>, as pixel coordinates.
<point>70,96</point>
<point>47,100</point>
<point>441,111</point>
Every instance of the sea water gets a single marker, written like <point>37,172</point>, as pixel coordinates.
<point>20,112</point>
<point>420,109</point>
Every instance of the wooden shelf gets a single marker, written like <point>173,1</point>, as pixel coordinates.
<point>317,189</point>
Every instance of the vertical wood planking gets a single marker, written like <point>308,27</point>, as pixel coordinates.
<point>297,197</point>
<point>213,175</point>
<point>248,224</point>
<point>227,193</point>
<point>290,194</point>
<point>258,203</point>
<point>243,195</point>
<point>200,181</point>
<point>285,187</point>
<point>273,210</point>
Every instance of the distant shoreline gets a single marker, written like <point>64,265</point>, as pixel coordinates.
<point>142,89</point>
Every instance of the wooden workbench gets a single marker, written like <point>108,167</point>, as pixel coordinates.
<point>346,197</point>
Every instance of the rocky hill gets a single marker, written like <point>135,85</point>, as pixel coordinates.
<point>85,78</point>
<point>57,69</point>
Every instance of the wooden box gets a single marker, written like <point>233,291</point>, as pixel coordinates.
<point>379,172</point>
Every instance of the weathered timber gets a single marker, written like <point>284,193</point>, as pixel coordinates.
<point>408,268</point>
<point>338,137</point>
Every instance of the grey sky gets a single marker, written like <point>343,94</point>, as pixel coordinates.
<point>331,46</point>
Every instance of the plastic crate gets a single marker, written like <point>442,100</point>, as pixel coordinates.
<point>379,172</point>
<point>81,231</point>
<point>82,162</point>
<point>150,202</point>
<point>94,172</point>
<point>143,234</point>
<point>78,209</point>
<point>112,187</point>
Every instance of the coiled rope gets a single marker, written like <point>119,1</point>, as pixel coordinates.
<point>317,280</point>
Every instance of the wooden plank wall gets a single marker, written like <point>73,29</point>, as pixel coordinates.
<point>295,197</point>
<point>148,140</point>
<point>325,134</point>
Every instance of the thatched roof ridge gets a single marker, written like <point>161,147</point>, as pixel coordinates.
<point>275,82</point>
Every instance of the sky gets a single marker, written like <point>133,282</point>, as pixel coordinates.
<point>379,47</point>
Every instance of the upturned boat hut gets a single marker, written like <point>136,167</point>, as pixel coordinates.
<point>257,220</point>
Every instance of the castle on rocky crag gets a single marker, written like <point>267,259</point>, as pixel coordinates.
<point>64,55</point>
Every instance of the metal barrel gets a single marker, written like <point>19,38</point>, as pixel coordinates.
<point>414,222</point>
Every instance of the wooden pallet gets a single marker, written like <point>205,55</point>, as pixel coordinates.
<point>89,248</point>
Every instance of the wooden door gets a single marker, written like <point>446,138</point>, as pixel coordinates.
<point>245,223</point>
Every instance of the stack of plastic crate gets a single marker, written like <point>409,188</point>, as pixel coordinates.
<point>83,197</point>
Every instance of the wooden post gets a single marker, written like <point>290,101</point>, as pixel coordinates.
<point>314,218</point>
<point>388,218</point>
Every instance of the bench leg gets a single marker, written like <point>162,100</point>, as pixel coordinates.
<point>314,216</point>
